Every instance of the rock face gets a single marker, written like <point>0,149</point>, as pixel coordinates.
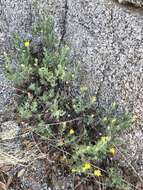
<point>14,16</point>
<point>108,40</point>
<point>105,37</point>
<point>134,2</point>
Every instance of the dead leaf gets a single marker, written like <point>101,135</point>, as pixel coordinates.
<point>9,181</point>
<point>3,186</point>
<point>21,172</point>
<point>30,96</point>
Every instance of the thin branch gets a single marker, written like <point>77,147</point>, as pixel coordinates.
<point>129,163</point>
<point>68,121</point>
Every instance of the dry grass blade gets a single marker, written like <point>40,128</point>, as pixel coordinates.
<point>8,159</point>
<point>3,186</point>
<point>134,170</point>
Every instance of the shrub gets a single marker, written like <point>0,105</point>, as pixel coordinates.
<point>82,136</point>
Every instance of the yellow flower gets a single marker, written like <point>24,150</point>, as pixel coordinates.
<point>71,132</point>
<point>114,121</point>
<point>97,173</point>
<point>93,99</point>
<point>86,166</point>
<point>26,44</point>
<point>83,88</point>
<point>105,119</point>
<point>73,170</point>
<point>105,139</point>
<point>113,151</point>
<point>135,118</point>
<point>114,104</point>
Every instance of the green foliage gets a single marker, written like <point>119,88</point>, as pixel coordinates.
<point>74,123</point>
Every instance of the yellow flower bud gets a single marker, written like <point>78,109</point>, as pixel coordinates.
<point>105,119</point>
<point>105,139</point>
<point>114,104</point>
<point>92,115</point>
<point>93,99</point>
<point>135,118</point>
<point>22,65</point>
<point>113,121</point>
<point>73,170</point>
<point>83,89</point>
